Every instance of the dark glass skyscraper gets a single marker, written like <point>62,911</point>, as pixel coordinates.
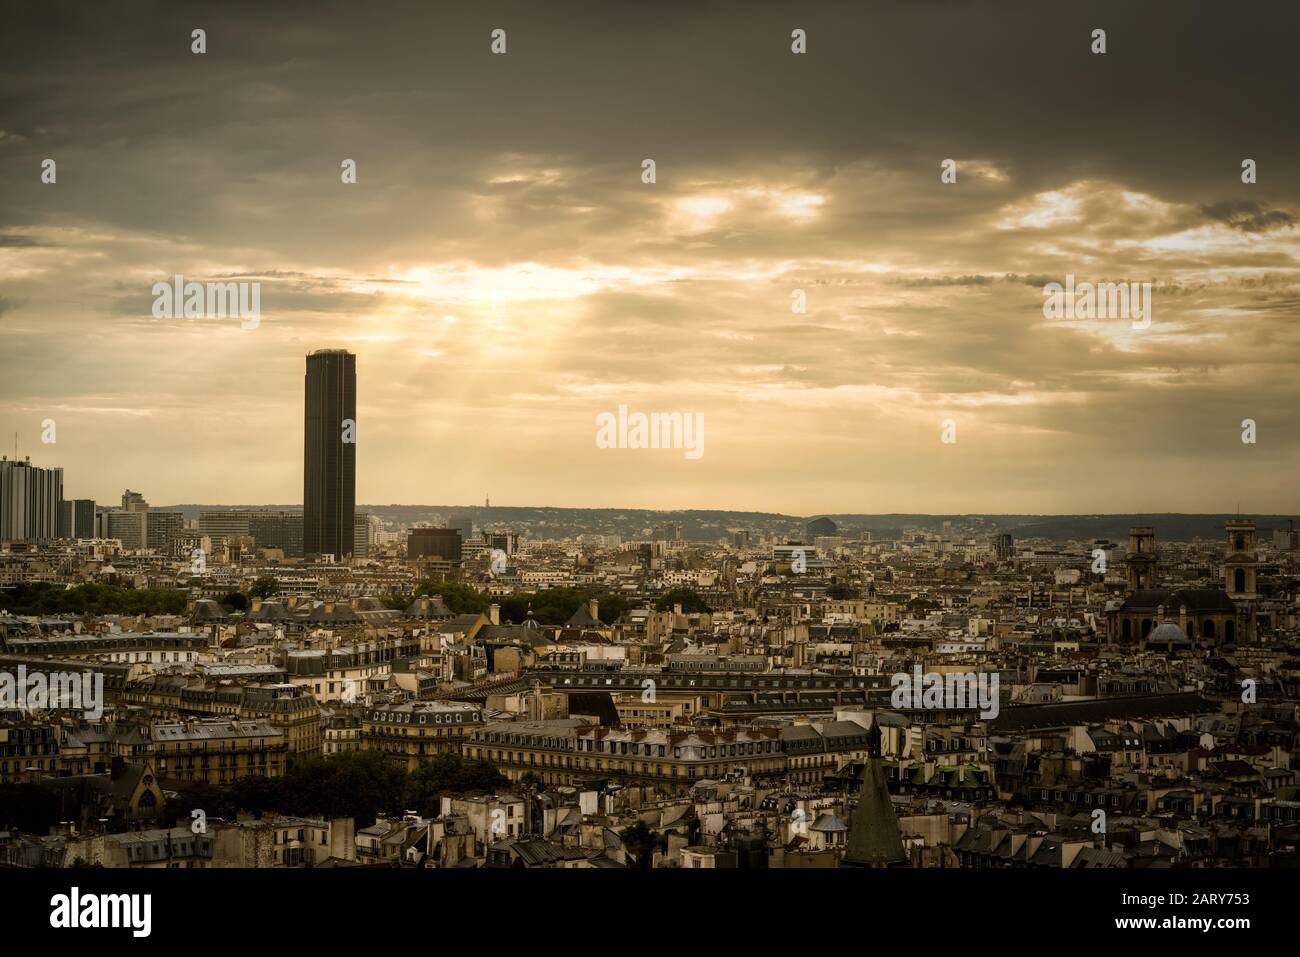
<point>329,473</point>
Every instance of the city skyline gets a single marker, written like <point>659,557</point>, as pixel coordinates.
<point>873,426</point>
<point>505,276</point>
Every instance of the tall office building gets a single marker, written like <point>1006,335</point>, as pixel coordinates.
<point>330,454</point>
<point>278,529</point>
<point>77,518</point>
<point>434,543</point>
<point>134,502</point>
<point>164,528</point>
<point>507,542</point>
<point>29,500</point>
<point>364,536</point>
<point>128,524</point>
<point>1006,546</point>
<point>225,525</point>
<point>463,524</point>
<point>1287,539</point>
<point>131,528</point>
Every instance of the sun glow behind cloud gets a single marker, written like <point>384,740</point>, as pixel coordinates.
<point>503,274</point>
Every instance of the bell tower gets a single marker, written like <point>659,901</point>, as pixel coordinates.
<point>1240,563</point>
<point>1140,562</point>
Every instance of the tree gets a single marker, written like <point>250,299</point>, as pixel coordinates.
<point>640,842</point>
<point>264,587</point>
<point>44,598</point>
<point>235,601</point>
<point>555,606</point>
<point>613,606</point>
<point>254,796</point>
<point>355,784</point>
<point>551,606</point>
<point>460,599</point>
<point>690,601</point>
<point>28,807</point>
<point>450,774</point>
<point>397,602</point>
<point>198,795</point>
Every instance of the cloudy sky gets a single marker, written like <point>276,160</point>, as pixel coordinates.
<point>504,276</point>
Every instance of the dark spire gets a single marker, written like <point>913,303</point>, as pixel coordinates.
<point>874,837</point>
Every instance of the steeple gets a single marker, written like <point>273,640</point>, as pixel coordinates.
<point>1140,562</point>
<point>874,837</point>
<point>1240,565</point>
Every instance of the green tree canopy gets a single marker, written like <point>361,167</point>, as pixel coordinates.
<point>690,601</point>
<point>450,774</point>
<point>555,606</point>
<point>235,601</point>
<point>460,599</point>
<point>28,807</point>
<point>355,784</point>
<point>640,842</point>
<point>264,587</point>
<point>44,598</point>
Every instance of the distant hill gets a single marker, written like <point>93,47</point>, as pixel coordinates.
<point>711,524</point>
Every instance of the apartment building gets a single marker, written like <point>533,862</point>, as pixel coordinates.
<point>218,752</point>
<point>413,732</point>
<point>568,750</point>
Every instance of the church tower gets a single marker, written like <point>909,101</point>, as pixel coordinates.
<point>1140,562</point>
<point>1240,564</point>
<point>874,838</point>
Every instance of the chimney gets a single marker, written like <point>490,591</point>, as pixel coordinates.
<point>677,608</point>
<point>593,608</point>
<point>257,605</point>
<point>494,614</point>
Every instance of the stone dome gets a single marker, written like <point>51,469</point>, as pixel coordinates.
<point>1167,631</point>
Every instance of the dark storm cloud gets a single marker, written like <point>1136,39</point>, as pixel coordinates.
<point>1249,216</point>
